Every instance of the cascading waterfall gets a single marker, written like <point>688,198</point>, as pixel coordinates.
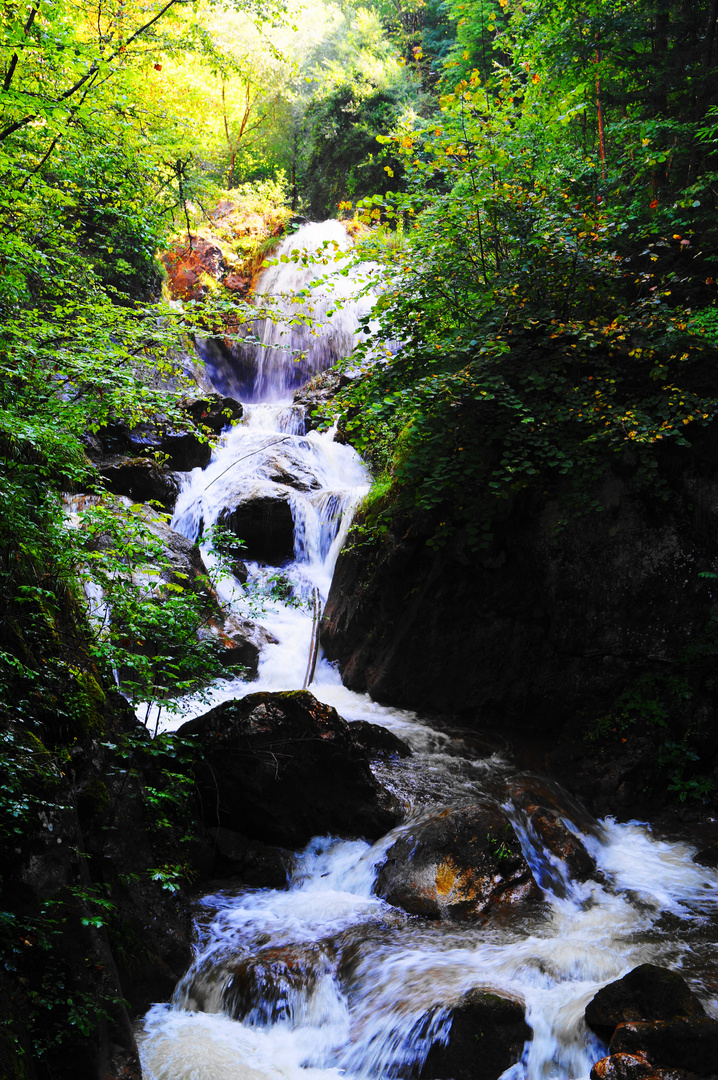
<point>325,979</point>
<point>305,327</point>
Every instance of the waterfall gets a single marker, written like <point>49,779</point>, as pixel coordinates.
<point>325,979</point>
<point>313,302</point>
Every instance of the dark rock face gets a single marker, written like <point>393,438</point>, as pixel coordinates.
<point>543,625</point>
<point>95,841</point>
<point>283,767</point>
<point>263,520</point>
<point>646,993</point>
<point>249,861</point>
<point>140,479</point>
<point>213,411</point>
<point>684,1043</point>
<point>186,448</point>
<point>707,856</point>
<point>457,864</point>
<point>487,1035</point>
<point>377,741</point>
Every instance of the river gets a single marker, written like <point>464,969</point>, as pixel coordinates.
<point>340,982</point>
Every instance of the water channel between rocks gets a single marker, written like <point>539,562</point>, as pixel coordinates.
<point>346,984</point>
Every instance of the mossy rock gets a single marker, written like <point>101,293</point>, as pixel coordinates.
<point>84,704</point>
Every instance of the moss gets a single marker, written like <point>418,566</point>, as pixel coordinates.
<point>95,798</point>
<point>85,704</point>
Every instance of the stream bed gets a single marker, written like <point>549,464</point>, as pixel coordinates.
<point>325,979</point>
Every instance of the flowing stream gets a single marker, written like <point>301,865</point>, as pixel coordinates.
<point>325,979</point>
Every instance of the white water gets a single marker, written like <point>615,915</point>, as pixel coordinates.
<point>326,980</point>
<point>312,307</point>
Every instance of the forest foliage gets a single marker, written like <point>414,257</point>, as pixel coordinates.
<point>553,288</point>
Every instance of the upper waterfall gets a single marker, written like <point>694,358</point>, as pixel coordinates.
<point>311,301</point>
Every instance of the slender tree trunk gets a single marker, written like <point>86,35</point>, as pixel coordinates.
<point>599,110</point>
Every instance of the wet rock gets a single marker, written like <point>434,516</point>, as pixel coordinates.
<point>707,856</point>
<point>253,863</point>
<point>280,461</point>
<point>457,864</point>
<point>240,570</point>
<point>184,448</point>
<point>274,985</point>
<point>213,411</point>
<point>233,650</point>
<point>315,394</point>
<point>554,837</point>
<point>634,1067</point>
<point>262,519</point>
<point>283,767</point>
<point>487,1035</point>
<point>685,1043</point>
<point>140,479</point>
<point>648,992</point>
<point>377,741</point>
<point>560,856</point>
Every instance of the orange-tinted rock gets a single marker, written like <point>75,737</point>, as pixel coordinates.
<point>191,268</point>
<point>238,283</point>
<point>625,1067</point>
<point>457,864</point>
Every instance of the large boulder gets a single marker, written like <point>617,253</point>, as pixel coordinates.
<point>261,516</point>
<point>459,863</point>
<point>283,767</point>
<point>548,621</point>
<point>141,479</point>
<point>648,993</point>
<point>487,1035</point>
<point>250,862</point>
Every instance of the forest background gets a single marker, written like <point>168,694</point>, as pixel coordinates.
<point>538,178</point>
